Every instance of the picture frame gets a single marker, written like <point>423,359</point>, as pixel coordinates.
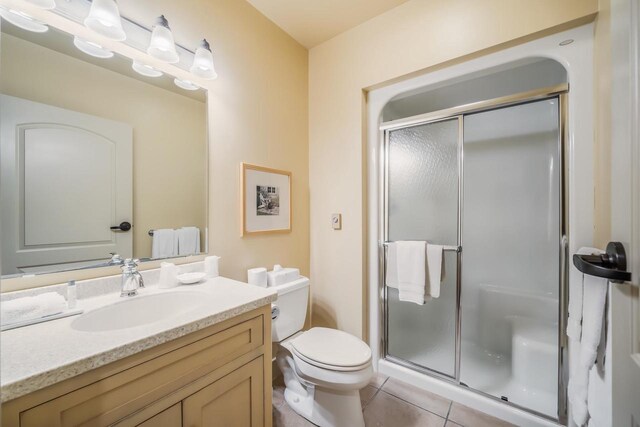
<point>265,200</point>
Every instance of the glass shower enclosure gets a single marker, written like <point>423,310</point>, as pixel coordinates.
<point>486,182</point>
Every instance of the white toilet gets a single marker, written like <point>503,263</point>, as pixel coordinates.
<point>324,369</point>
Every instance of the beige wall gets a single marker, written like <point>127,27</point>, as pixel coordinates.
<point>415,36</point>
<point>602,126</point>
<point>258,113</point>
<point>169,130</point>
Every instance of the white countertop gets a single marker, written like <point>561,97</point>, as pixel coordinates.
<point>36,356</point>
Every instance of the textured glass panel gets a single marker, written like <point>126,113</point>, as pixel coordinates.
<point>423,203</point>
<point>425,334</point>
<point>510,267</point>
<point>423,183</point>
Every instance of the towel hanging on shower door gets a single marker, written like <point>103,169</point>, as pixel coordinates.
<point>587,301</point>
<point>407,265</point>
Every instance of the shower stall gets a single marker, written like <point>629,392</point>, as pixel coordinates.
<point>482,172</point>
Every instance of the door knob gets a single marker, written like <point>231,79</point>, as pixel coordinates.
<point>124,226</point>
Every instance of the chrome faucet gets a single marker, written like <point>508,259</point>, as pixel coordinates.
<point>115,259</point>
<point>131,278</point>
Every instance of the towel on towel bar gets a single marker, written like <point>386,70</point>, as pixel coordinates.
<point>587,300</point>
<point>407,265</point>
<point>165,243</point>
<point>188,240</point>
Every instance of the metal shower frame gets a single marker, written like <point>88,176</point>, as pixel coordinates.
<point>559,92</point>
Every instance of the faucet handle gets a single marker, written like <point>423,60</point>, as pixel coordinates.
<point>115,259</point>
<point>130,263</point>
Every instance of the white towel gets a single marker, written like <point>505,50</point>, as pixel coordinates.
<point>406,265</point>
<point>165,243</point>
<point>188,241</point>
<point>587,300</point>
<point>406,270</point>
<point>435,265</point>
<point>28,308</point>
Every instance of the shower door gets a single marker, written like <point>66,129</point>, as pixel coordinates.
<point>511,260</point>
<point>499,215</point>
<point>422,204</point>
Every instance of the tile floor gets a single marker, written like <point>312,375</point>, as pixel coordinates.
<point>387,402</point>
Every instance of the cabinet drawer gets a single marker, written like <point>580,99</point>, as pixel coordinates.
<point>112,398</point>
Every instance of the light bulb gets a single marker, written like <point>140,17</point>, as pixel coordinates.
<point>162,46</point>
<point>185,84</point>
<point>203,62</point>
<point>145,70</point>
<point>45,4</point>
<point>22,20</point>
<point>91,48</point>
<point>104,19</point>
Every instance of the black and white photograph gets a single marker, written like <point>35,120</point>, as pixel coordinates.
<point>267,200</point>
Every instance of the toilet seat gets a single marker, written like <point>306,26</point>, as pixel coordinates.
<point>331,349</point>
<point>326,366</point>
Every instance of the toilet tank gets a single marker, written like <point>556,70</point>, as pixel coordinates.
<point>289,311</point>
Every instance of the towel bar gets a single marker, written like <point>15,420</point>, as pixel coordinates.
<point>445,248</point>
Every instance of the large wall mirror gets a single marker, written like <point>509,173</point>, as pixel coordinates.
<point>90,147</point>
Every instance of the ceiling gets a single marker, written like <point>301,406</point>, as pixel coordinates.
<point>312,22</point>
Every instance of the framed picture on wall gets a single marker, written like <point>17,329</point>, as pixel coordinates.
<point>265,200</point>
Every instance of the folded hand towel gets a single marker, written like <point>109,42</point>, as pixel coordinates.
<point>435,264</point>
<point>28,308</point>
<point>406,270</point>
<point>406,265</point>
<point>587,300</point>
<point>165,243</point>
<point>188,241</point>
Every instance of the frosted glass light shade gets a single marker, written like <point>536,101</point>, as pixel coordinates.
<point>185,84</point>
<point>104,19</point>
<point>45,4</point>
<point>203,62</point>
<point>91,48</point>
<point>145,70</point>
<point>162,46</point>
<point>22,20</point>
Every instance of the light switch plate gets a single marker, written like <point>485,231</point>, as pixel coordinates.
<point>336,221</point>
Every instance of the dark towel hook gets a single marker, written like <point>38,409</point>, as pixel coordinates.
<point>610,265</point>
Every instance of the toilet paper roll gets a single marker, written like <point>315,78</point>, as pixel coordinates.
<point>211,266</point>
<point>257,277</point>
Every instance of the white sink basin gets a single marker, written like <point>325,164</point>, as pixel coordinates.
<point>139,310</point>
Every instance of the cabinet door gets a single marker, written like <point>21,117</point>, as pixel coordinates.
<point>236,400</point>
<point>171,417</point>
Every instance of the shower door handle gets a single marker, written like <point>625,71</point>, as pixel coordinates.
<point>611,265</point>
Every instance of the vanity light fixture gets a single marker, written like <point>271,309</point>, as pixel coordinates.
<point>104,19</point>
<point>203,62</point>
<point>145,70</point>
<point>91,48</point>
<point>185,84</point>
<point>22,20</point>
<point>162,46</point>
<point>45,4</point>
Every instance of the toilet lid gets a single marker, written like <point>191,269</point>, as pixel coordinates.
<point>332,347</point>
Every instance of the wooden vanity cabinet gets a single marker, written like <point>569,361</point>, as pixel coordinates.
<point>217,376</point>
